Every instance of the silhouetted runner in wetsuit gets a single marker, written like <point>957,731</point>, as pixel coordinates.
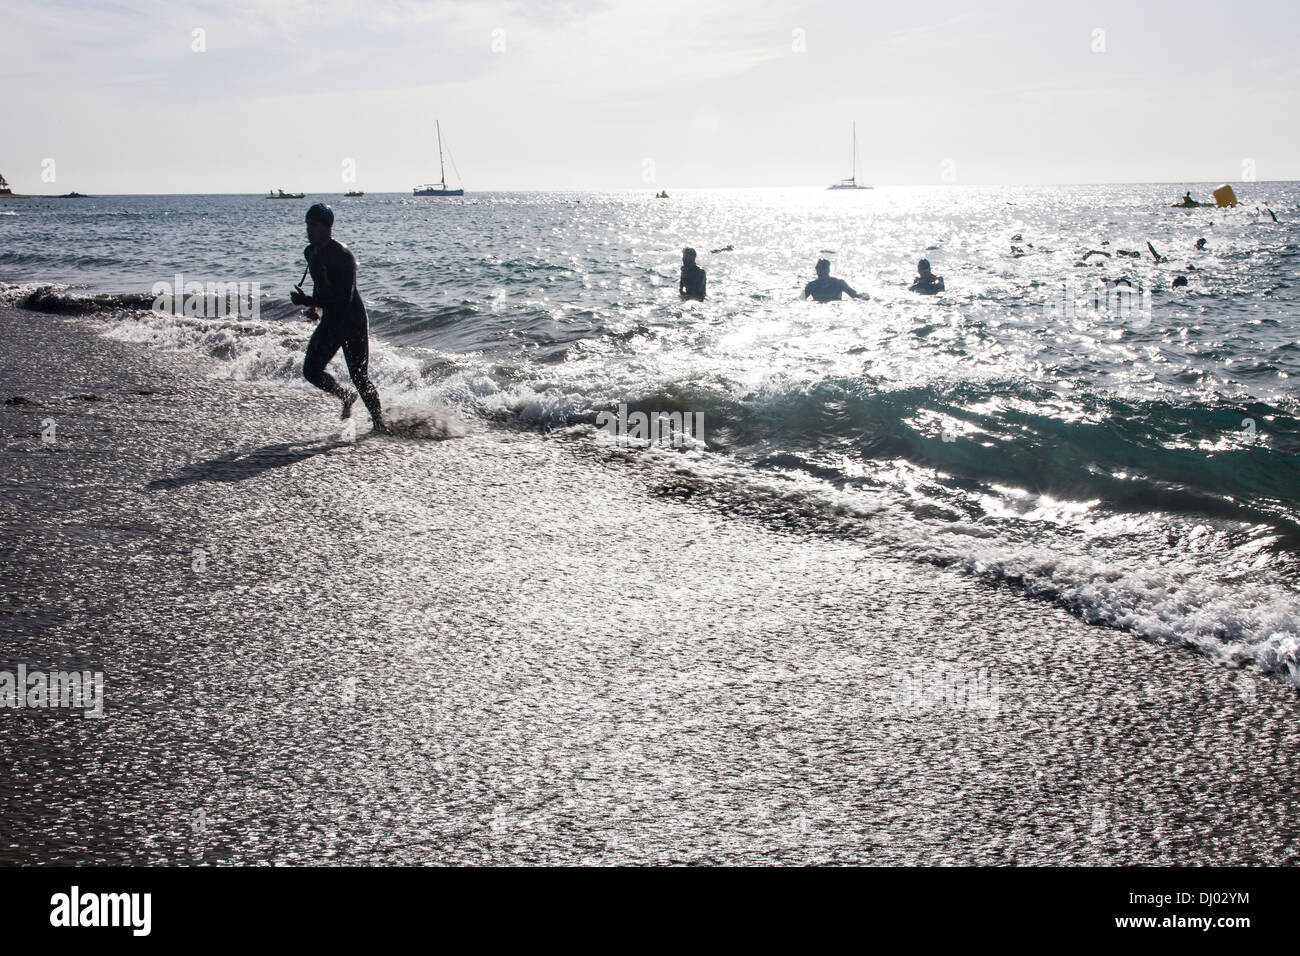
<point>343,317</point>
<point>693,280</point>
<point>826,288</point>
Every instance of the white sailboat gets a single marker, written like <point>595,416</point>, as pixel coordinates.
<point>852,181</point>
<point>439,188</point>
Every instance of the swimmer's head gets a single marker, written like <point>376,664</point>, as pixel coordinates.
<point>319,212</point>
<point>823,267</point>
<point>688,255</point>
<point>320,222</point>
<point>923,267</point>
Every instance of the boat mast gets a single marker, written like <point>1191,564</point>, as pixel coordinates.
<point>854,178</point>
<point>441,168</point>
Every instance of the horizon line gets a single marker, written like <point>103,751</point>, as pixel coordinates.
<point>656,187</point>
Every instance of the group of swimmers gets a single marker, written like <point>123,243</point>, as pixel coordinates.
<point>825,288</point>
<point>344,324</point>
<point>1178,280</point>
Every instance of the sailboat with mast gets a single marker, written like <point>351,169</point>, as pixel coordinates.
<point>439,188</point>
<point>852,181</point>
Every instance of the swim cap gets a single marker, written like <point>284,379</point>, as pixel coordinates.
<point>822,264</point>
<point>321,213</point>
<point>923,264</point>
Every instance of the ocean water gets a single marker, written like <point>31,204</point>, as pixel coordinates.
<point>1129,452</point>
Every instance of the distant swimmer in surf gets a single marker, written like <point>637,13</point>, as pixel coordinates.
<point>926,282</point>
<point>1157,256</point>
<point>694,280</point>
<point>826,288</point>
<point>1200,245</point>
<point>343,323</point>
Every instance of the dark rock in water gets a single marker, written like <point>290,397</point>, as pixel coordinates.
<point>46,299</point>
<point>54,301</point>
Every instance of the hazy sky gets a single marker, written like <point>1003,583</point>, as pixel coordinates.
<point>589,94</point>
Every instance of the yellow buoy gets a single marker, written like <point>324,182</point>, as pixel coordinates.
<point>1224,196</point>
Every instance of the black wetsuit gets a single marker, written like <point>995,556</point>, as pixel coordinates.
<point>828,289</point>
<point>343,324</point>
<point>928,285</point>
<point>692,282</point>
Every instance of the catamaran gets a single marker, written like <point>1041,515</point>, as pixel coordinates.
<point>852,181</point>
<point>439,188</point>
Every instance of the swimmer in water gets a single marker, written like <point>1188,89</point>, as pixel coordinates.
<point>826,288</point>
<point>926,283</point>
<point>693,279</point>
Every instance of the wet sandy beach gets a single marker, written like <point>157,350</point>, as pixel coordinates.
<point>502,648</point>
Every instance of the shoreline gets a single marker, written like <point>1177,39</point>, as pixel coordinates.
<point>493,649</point>
<point>1124,607</point>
